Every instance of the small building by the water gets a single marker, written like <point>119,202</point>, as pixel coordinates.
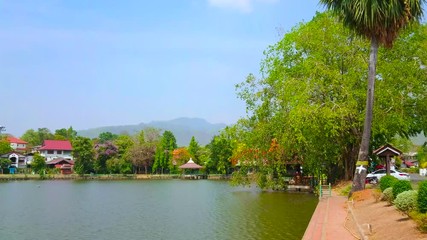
<point>65,165</point>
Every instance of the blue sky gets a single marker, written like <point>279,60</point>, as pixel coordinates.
<point>105,62</point>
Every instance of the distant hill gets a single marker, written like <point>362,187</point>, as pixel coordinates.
<point>182,128</point>
<point>419,140</point>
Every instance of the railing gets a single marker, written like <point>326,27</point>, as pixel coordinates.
<point>325,190</point>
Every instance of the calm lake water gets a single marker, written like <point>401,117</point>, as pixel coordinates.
<point>152,209</point>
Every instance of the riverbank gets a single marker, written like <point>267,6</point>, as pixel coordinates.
<point>364,217</point>
<point>13,177</point>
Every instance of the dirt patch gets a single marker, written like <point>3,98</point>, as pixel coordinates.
<point>383,220</point>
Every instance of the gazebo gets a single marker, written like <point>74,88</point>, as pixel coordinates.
<point>387,151</point>
<point>192,166</point>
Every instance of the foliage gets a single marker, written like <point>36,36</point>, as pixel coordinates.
<point>406,201</point>
<point>312,93</point>
<point>400,186</point>
<point>142,155</point>
<point>180,156</point>
<point>422,155</point>
<point>387,181</point>
<point>83,154</point>
<point>107,136</point>
<point>38,164</point>
<point>104,152</point>
<point>164,150</point>
<point>420,219</point>
<point>388,194</point>
<point>221,151</point>
<point>379,20</point>
<point>36,138</point>
<point>422,197</point>
<point>193,149</point>
<point>4,163</point>
<point>5,146</point>
<point>65,134</point>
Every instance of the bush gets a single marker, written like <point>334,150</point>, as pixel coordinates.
<point>422,197</point>
<point>406,201</point>
<point>388,194</point>
<point>387,181</point>
<point>420,219</point>
<point>400,186</point>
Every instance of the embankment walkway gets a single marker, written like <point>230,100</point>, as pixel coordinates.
<point>328,220</point>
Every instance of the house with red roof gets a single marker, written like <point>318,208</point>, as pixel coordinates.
<point>52,149</point>
<point>17,144</point>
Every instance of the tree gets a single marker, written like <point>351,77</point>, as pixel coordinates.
<point>194,149</point>
<point>179,157</point>
<point>221,153</point>
<point>5,146</point>
<point>65,134</point>
<point>311,96</point>
<point>143,150</point>
<point>107,136</point>
<point>38,164</point>
<point>104,152</point>
<point>83,155</point>
<point>380,22</point>
<point>164,152</point>
<point>36,138</point>
<point>4,163</point>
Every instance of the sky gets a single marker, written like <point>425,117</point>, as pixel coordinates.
<point>100,63</point>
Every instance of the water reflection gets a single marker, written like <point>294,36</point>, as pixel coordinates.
<point>163,209</point>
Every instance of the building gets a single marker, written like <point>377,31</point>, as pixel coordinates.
<point>52,149</point>
<point>65,166</point>
<point>17,144</point>
<point>17,159</point>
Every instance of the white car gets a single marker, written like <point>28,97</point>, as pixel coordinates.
<point>382,172</point>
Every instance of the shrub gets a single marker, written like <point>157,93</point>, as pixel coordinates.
<point>387,181</point>
<point>388,194</point>
<point>420,219</point>
<point>422,197</point>
<point>400,186</point>
<point>406,201</point>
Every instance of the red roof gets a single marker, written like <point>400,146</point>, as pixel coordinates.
<point>56,145</point>
<point>12,139</point>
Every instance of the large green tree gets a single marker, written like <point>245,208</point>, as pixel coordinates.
<point>164,150</point>
<point>36,138</point>
<point>221,152</point>
<point>38,164</point>
<point>83,154</point>
<point>380,22</point>
<point>311,96</point>
<point>193,149</point>
<point>65,134</point>
<point>4,146</point>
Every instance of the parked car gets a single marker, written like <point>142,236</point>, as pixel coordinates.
<point>382,172</point>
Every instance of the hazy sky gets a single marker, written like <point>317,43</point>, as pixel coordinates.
<point>95,63</point>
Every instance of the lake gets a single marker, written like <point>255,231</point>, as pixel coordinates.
<point>150,209</point>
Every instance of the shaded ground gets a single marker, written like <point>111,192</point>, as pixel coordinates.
<point>385,221</point>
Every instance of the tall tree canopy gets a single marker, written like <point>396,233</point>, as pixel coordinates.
<point>380,22</point>
<point>312,90</point>
<point>36,138</point>
<point>164,150</point>
<point>83,154</point>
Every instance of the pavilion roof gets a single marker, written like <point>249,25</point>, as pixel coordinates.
<point>190,165</point>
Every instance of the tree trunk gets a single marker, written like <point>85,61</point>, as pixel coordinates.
<point>363,157</point>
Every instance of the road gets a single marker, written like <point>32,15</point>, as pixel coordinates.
<point>415,177</point>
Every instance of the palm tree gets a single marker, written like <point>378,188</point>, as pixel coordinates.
<point>380,21</point>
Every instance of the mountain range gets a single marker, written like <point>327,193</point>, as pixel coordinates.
<point>182,128</point>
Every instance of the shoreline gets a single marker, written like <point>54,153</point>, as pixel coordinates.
<point>23,177</point>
